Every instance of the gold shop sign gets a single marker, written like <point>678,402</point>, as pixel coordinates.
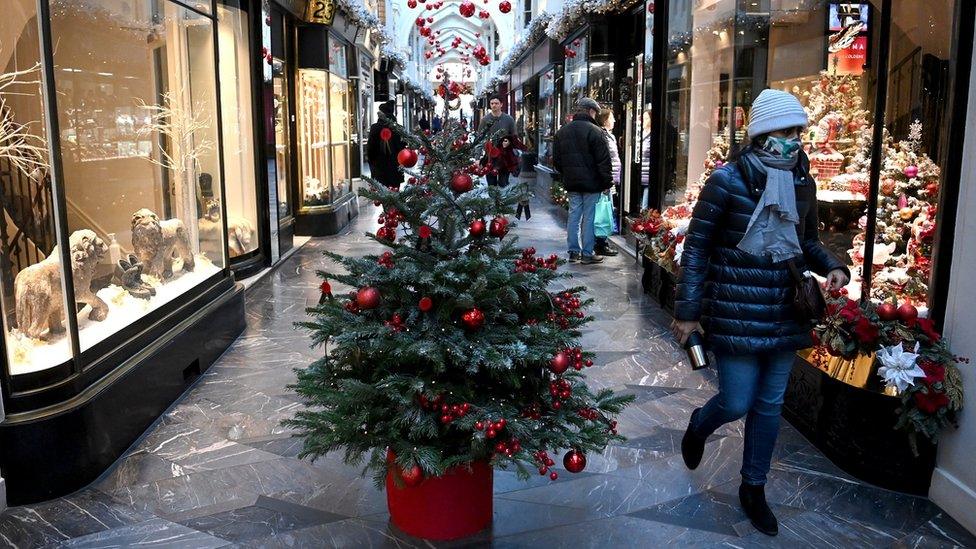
<point>321,12</point>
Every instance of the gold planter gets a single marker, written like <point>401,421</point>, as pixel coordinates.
<point>854,372</point>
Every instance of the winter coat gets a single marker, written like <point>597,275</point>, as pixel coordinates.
<point>744,300</point>
<point>382,156</point>
<point>582,157</point>
<point>646,161</point>
<point>615,165</point>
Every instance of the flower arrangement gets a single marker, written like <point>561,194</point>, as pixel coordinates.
<point>558,194</point>
<point>662,235</point>
<point>912,358</point>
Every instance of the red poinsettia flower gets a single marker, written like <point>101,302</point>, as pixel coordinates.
<point>930,401</point>
<point>934,372</point>
<point>928,328</point>
<point>867,333</point>
<point>851,311</point>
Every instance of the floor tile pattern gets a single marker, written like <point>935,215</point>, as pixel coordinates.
<point>219,470</point>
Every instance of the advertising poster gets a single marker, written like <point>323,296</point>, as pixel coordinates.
<point>847,43</point>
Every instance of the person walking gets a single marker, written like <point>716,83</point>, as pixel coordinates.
<point>436,124</point>
<point>606,122</point>
<point>497,123</point>
<point>503,161</point>
<point>582,158</point>
<point>382,153</point>
<point>756,218</point>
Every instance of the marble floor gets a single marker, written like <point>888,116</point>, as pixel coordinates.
<point>218,470</point>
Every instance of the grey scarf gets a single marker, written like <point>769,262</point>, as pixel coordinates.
<point>772,228</point>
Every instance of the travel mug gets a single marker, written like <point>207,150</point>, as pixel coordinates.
<point>695,346</point>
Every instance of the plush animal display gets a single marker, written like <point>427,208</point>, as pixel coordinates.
<point>157,243</point>
<point>38,299</point>
<point>128,274</point>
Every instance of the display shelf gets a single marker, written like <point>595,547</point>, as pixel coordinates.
<point>34,355</point>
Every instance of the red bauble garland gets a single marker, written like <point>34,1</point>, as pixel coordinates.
<point>504,6</point>
<point>466,8</point>
<point>368,298</point>
<point>574,461</point>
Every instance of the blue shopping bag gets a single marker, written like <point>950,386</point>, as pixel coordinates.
<point>603,218</point>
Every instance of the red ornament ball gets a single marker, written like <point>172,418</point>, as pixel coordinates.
<point>477,228</point>
<point>907,312</point>
<point>574,461</point>
<point>887,311</point>
<point>461,183</point>
<point>910,171</point>
<point>387,234</point>
<point>407,158</point>
<point>467,8</point>
<point>504,6</point>
<point>473,319</point>
<point>412,4</point>
<point>412,476</point>
<point>559,363</point>
<point>368,298</point>
<point>386,134</point>
<point>553,475</point>
<point>426,304</point>
<point>424,232</point>
<point>499,227</point>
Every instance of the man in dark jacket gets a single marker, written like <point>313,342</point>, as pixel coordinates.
<point>582,158</point>
<point>382,154</point>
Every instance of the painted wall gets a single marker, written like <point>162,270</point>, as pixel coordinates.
<point>954,482</point>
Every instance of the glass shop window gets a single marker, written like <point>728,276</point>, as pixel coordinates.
<point>547,115</point>
<point>30,270</point>
<point>137,104</point>
<point>238,134</point>
<point>723,53</point>
<point>576,77</point>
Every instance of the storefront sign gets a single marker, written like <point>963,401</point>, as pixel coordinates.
<point>321,11</point>
<point>847,43</point>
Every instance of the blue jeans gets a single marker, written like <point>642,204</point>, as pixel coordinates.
<point>751,386</point>
<point>582,207</point>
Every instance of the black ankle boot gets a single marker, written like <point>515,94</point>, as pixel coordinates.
<point>753,499</point>
<point>692,445</point>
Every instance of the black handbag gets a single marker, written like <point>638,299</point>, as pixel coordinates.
<point>809,304</point>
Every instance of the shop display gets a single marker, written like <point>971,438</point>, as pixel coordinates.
<point>128,274</point>
<point>158,243</point>
<point>241,235</point>
<point>37,289</point>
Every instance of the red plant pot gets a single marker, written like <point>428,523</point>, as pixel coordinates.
<point>456,505</point>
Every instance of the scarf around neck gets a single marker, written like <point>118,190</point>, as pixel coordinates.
<point>772,228</point>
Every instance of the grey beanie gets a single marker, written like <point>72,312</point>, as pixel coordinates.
<point>775,110</point>
<point>587,103</point>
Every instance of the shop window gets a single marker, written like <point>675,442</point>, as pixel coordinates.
<point>27,217</point>
<point>576,76</point>
<point>547,115</point>
<point>137,109</point>
<point>238,135</point>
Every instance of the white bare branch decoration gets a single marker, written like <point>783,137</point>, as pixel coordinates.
<point>24,149</point>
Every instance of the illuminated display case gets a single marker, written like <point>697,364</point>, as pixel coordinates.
<point>114,287</point>
<point>325,109</point>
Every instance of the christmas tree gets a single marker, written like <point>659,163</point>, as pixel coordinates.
<point>451,347</point>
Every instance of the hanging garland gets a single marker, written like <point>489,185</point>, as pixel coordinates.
<point>358,15</point>
<point>529,37</point>
<point>574,12</point>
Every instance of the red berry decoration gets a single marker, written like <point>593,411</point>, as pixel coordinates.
<point>907,313</point>
<point>412,476</point>
<point>407,158</point>
<point>499,227</point>
<point>387,234</point>
<point>553,475</point>
<point>559,363</point>
<point>477,228</point>
<point>461,183</point>
<point>426,304</point>
<point>504,6</point>
<point>466,8</point>
<point>386,134</point>
<point>368,298</point>
<point>473,319</point>
<point>887,311</point>
<point>574,461</point>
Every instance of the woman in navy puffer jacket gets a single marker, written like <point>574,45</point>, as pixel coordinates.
<point>753,217</point>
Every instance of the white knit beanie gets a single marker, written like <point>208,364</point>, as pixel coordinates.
<point>775,110</point>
